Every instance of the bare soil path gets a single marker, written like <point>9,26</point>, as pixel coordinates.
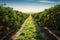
<point>46,33</point>
<point>19,31</point>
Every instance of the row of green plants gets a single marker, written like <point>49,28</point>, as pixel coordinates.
<point>49,18</point>
<point>11,19</point>
<point>29,31</point>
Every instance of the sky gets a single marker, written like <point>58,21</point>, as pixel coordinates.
<point>30,5</point>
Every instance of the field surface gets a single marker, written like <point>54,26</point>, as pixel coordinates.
<point>29,31</point>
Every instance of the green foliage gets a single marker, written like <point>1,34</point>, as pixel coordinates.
<point>49,17</point>
<point>11,18</point>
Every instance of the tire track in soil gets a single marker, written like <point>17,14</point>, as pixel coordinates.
<point>46,33</point>
<point>14,37</point>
